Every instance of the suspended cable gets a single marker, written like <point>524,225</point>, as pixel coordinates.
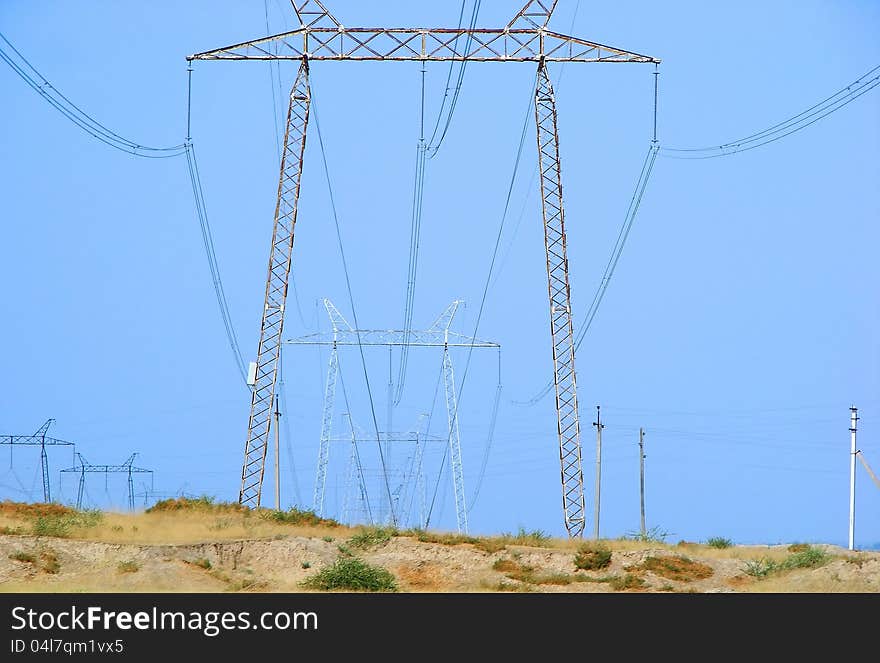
<point>513,176</point>
<point>434,148</point>
<point>275,124</point>
<point>489,438</point>
<point>353,309</point>
<point>414,242</point>
<point>449,73</point>
<point>357,454</point>
<point>785,128</point>
<point>208,236</point>
<point>287,436</point>
<point>610,267</point>
<point>419,187</point>
<point>213,265</point>
<point>428,432</point>
<point>99,131</point>
<point>617,250</point>
<point>76,115</point>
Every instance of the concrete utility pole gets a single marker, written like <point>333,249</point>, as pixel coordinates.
<point>642,527</point>
<point>599,426</point>
<point>277,458</point>
<point>853,422</point>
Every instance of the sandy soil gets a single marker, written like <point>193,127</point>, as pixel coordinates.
<point>282,561</point>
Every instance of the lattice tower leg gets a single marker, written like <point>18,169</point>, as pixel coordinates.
<point>79,492</point>
<point>349,497</point>
<point>326,429</point>
<point>44,464</point>
<point>568,426</point>
<point>454,444</point>
<point>269,349</point>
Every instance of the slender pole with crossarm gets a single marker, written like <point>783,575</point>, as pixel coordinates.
<point>526,38</point>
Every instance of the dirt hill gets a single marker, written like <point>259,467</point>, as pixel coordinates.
<point>199,546</point>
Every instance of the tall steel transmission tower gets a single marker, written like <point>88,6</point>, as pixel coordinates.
<point>127,467</point>
<point>38,439</point>
<point>438,335</point>
<point>526,38</point>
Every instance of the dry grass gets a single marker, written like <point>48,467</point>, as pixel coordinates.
<point>128,566</point>
<point>677,568</point>
<point>21,510</point>
<point>592,557</point>
<point>420,577</point>
<point>628,582</point>
<point>527,574</point>
<point>423,561</point>
<point>176,527</point>
<point>46,560</point>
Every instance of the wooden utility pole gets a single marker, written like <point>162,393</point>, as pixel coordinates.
<point>599,426</point>
<point>642,527</point>
<point>277,457</point>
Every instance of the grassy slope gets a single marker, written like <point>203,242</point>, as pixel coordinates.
<point>205,547</point>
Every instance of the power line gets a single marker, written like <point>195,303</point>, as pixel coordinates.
<point>462,68</point>
<point>428,431</point>
<point>357,453</point>
<point>109,137</point>
<point>419,187</point>
<point>414,245</point>
<point>213,265</point>
<point>610,267</point>
<point>287,436</point>
<point>785,128</point>
<point>275,124</point>
<point>489,438</point>
<point>353,308</point>
<point>479,318</point>
<point>617,250</point>
<point>78,116</point>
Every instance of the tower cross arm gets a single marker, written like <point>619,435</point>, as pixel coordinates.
<point>33,440</point>
<point>424,44</point>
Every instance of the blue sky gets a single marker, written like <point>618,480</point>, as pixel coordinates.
<point>740,325</point>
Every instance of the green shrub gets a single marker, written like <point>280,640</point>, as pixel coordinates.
<point>60,525</point>
<point>592,557</point>
<point>523,537</point>
<point>443,538</point>
<point>719,542</point>
<point>372,537</point>
<point>760,568</point>
<point>350,573</point>
<point>294,516</point>
<point>805,559</point>
<point>202,562</point>
<point>203,503</point>
<point>653,535</point>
